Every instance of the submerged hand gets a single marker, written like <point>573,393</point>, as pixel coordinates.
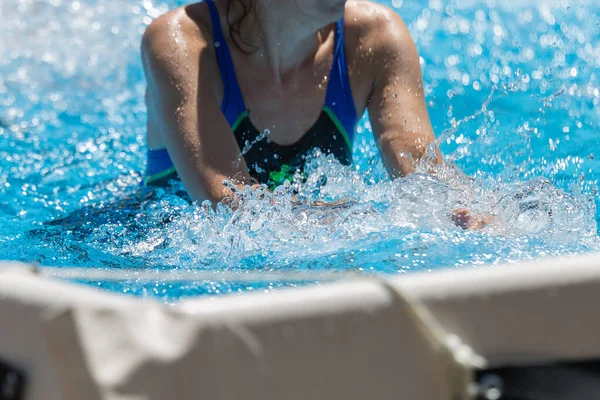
<point>466,220</point>
<point>343,202</point>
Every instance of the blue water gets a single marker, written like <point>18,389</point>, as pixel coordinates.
<point>513,94</point>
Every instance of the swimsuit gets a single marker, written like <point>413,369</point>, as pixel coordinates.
<point>269,162</point>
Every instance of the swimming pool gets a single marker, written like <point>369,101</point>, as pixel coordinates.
<point>512,93</point>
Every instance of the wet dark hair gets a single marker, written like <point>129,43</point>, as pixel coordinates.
<point>235,25</point>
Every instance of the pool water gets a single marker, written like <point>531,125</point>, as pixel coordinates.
<point>514,97</point>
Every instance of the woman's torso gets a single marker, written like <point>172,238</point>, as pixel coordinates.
<point>302,111</point>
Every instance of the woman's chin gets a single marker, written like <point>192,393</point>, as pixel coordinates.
<point>328,13</point>
<point>338,9</point>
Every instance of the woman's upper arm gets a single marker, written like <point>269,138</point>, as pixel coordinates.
<point>397,106</point>
<point>179,70</point>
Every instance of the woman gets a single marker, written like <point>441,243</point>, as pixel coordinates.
<point>223,74</point>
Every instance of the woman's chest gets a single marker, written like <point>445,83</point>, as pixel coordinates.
<point>288,107</point>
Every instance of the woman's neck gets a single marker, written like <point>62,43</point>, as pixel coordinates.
<point>282,39</point>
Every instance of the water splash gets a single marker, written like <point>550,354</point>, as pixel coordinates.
<point>512,92</point>
<point>249,144</point>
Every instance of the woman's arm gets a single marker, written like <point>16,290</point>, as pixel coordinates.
<point>398,111</point>
<point>180,71</point>
<point>397,108</point>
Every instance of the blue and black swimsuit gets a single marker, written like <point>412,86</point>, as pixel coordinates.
<point>269,162</point>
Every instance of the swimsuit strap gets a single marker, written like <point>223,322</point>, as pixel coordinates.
<point>339,103</point>
<point>233,102</point>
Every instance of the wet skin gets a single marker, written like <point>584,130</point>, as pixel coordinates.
<point>283,78</point>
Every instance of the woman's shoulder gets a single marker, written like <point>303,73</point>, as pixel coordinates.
<point>375,26</point>
<point>183,30</point>
<point>376,35</point>
<point>176,45</point>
